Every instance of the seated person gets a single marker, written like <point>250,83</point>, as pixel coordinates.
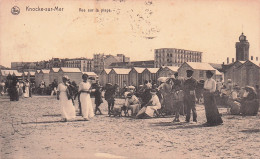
<point>151,107</point>
<point>132,103</point>
<point>233,101</point>
<point>249,102</point>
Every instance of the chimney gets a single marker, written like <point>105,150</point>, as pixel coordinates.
<point>252,57</point>
<point>256,58</point>
<point>227,60</point>
<point>233,60</point>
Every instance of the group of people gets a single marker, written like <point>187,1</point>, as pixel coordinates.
<point>152,98</point>
<point>16,88</point>
<point>244,101</point>
<point>66,94</point>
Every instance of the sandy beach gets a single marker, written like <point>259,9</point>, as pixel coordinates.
<point>32,128</point>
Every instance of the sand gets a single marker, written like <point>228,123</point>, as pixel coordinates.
<point>31,128</point>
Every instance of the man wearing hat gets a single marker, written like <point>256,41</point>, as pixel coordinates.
<point>189,96</point>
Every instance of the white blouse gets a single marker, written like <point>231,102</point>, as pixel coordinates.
<point>210,84</point>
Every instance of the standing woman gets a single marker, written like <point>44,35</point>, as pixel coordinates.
<point>86,103</point>
<point>27,88</point>
<point>67,108</point>
<point>212,114</point>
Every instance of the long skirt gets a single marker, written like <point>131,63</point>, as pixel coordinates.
<point>67,108</point>
<point>212,114</point>
<point>26,93</point>
<point>86,106</point>
<point>250,107</point>
<point>168,101</point>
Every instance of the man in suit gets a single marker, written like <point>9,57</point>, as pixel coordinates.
<point>189,96</point>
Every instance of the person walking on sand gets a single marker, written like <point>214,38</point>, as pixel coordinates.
<point>98,99</point>
<point>212,114</point>
<point>85,100</point>
<point>67,108</point>
<point>189,96</point>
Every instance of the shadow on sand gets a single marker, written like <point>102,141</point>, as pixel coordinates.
<point>56,121</point>
<point>179,125</point>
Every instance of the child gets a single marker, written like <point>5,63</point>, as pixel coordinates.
<point>98,99</point>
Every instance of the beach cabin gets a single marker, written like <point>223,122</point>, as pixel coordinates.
<point>167,71</point>
<point>74,74</point>
<point>54,74</point>
<point>199,69</point>
<point>91,74</point>
<point>45,76</point>
<point>19,75</point>
<point>31,76</point>
<point>229,72</point>
<point>5,73</point>
<point>248,74</point>
<point>150,74</point>
<point>135,76</point>
<point>25,76</point>
<point>119,76</point>
<point>104,77</point>
<point>37,78</point>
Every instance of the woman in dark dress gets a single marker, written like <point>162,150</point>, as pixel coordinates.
<point>212,114</point>
<point>249,103</point>
<point>98,99</point>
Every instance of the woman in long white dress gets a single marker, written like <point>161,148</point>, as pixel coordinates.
<point>67,109</point>
<point>85,100</point>
<point>27,87</point>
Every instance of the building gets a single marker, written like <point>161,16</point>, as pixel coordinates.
<point>5,73</point>
<point>74,74</point>
<point>102,61</point>
<point>44,75</point>
<point>54,75</point>
<point>242,49</point>
<point>55,63</point>
<point>143,64</point>
<point>119,76</point>
<point>37,78</point>
<point>91,74</point>
<point>104,77</point>
<point>84,64</point>
<point>199,70</point>
<point>247,73</point>
<point>230,71</point>
<point>31,76</point>
<point>167,71</point>
<point>150,74</point>
<point>135,76</point>
<point>175,57</point>
<point>25,75</point>
<point>22,66</point>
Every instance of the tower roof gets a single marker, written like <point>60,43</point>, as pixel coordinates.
<point>242,37</point>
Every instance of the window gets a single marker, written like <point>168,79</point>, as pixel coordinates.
<point>201,73</point>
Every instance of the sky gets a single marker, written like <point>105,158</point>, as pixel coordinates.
<point>134,28</point>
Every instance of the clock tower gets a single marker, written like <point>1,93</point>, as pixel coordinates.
<point>242,48</point>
